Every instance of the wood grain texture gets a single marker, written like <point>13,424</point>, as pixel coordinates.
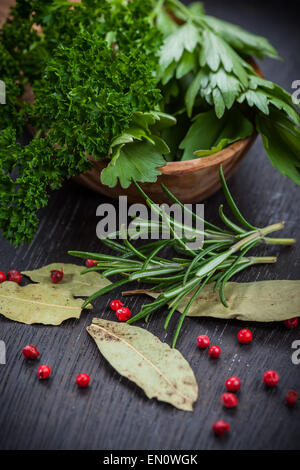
<point>113,413</point>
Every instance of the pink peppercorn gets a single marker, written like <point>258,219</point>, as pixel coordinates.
<point>271,378</point>
<point>90,263</point>
<point>220,427</point>
<point>233,384</point>
<point>123,313</point>
<point>229,400</point>
<point>203,341</point>
<point>245,336</point>
<point>214,351</point>
<point>44,372</point>
<point>291,323</point>
<point>291,397</point>
<point>30,352</point>
<point>14,275</point>
<point>115,304</point>
<point>82,380</point>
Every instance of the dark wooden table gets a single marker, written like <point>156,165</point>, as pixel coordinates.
<point>113,413</point>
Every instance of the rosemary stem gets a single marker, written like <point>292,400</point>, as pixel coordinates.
<point>259,234</point>
<point>263,259</point>
<point>279,241</point>
<point>272,228</point>
<point>244,241</point>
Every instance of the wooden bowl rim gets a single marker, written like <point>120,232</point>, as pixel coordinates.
<point>215,159</point>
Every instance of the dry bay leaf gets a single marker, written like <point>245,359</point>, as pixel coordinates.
<point>262,301</point>
<point>37,303</point>
<point>140,356</point>
<point>73,281</point>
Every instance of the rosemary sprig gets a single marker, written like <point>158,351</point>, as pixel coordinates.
<point>223,254</point>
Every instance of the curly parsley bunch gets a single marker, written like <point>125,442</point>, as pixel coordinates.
<point>92,67</point>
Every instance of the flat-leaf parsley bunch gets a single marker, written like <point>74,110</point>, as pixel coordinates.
<point>135,83</point>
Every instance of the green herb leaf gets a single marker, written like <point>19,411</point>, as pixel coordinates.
<point>199,81</point>
<point>231,202</point>
<point>188,63</point>
<point>256,98</point>
<point>216,52</point>
<point>137,161</point>
<point>141,357</point>
<point>165,23</point>
<point>185,37</point>
<point>263,94</point>
<point>197,9</point>
<point>208,134</point>
<point>242,40</point>
<point>281,140</point>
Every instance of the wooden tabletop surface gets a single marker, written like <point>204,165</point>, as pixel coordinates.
<point>113,413</point>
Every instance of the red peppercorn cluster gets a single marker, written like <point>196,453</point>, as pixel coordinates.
<point>115,304</point>
<point>203,342</point>
<point>44,371</point>
<point>233,384</point>
<point>12,275</point>
<point>122,313</point>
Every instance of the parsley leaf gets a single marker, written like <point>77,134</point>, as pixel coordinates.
<point>132,160</point>
<point>185,37</point>
<point>263,94</point>
<point>216,52</point>
<point>208,134</point>
<point>241,40</point>
<point>23,194</point>
<point>137,161</point>
<point>281,141</point>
